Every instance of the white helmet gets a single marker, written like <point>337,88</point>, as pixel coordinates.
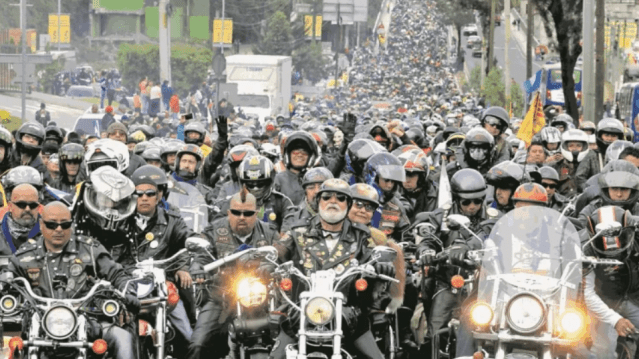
<point>574,135</point>
<point>109,197</point>
<point>550,135</point>
<point>106,152</point>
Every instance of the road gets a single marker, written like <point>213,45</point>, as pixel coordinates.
<point>63,114</point>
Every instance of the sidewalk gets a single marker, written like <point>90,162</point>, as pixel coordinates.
<point>52,99</point>
<point>520,35</point>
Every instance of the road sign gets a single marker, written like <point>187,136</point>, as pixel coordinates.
<point>228,31</point>
<point>219,64</point>
<point>65,28</point>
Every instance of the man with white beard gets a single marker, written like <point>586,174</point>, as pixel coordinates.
<point>330,240</point>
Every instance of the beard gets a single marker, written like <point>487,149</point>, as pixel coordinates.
<point>26,221</point>
<point>332,214</point>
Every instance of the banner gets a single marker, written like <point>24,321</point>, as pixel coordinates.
<point>534,121</point>
<point>65,28</point>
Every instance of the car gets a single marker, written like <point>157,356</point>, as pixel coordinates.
<point>472,40</point>
<point>477,50</point>
<point>89,123</point>
<point>469,29</point>
<point>80,91</point>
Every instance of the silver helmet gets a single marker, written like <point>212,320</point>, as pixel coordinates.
<point>109,197</point>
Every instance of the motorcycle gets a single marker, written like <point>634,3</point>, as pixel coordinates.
<point>257,320</point>
<point>321,305</point>
<point>528,292</point>
<point>67,327</point>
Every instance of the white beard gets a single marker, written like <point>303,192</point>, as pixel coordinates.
<point>332,217</point>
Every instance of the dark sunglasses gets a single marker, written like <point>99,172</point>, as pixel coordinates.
<point>369,207</point>
<point>148,193</point>
<point>54,225</point>
<point>549,185</point>
<point>327,196</point>
<point>23,205</point>
<point>246,214</point>
<point>467,202</point>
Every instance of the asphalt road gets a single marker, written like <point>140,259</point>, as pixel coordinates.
<point>63,114</point>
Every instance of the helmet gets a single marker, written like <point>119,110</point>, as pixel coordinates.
<point>53,133</point>
<point>107,152</point>
<point>70,152</point>
<point>150,172</point>
<point>271,151</point>
<point>358,152</point>
<point>612,244</point>
<point>630,134</point>
<point>415,161</point>
<point>316,175</point>
<point>140,147</point>
<point>622,174</point>
<point>302,140</point>
<point>5,138</point>
<point>364,192</point>
<point>574,136</point>
<point>336,185</point>
<point>588,126</point>
<point>379,132</point>
<point>531,192</point>
<point>109,197</point>
<point>152,154</point>
<point>19,175</point>
<point>237,154</point>
<point>189,149</point>
<point>478,145</point>
<point>257,173</point>
<point>550,173</point>
<point>386,166</point>
<point>610,126</point>
<point>136,137</point>
<point>195,127</point>
<point>455,140</point>
<point>506,174</point>
<point>562,120</point>
<point>614,150</point>
<point>550,135</point>
<point>468,183</point>
<point>498,113</point>
<point>169,149</point>
<point>32,129</point>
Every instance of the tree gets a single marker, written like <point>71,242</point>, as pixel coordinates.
<point>566,15</point>
<point>456,13</point>
<point>309,61</point>
<point>517,98</point>
<point>494,88</point>
<point>278,39</point>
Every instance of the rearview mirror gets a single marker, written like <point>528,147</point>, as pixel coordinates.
<point>382,254</point>
<point>194,244</point>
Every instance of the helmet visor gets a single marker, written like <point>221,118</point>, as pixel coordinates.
<point>392,173</point>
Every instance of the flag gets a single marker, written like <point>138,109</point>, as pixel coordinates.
<point>532,84</point>
<point>510,110</point>
<point>533,122</point>
<point>444,197</point>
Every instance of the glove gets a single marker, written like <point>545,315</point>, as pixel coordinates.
<point>132,303</point>
<point>458,252</point>
<point>350,121</point>
<point>222,127</point>
<point>387,269</point>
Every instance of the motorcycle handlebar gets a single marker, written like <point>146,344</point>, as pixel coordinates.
<point>222,261</point>
<point>48,301</point>
<point>160,262</point>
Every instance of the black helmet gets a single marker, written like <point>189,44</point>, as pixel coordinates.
<point>496,112</point>
<point>316,175</point>
<point>169,149</point>
<point>549,173</point>
<point>505,175</point>
<point>386,166</point>
<point>189,149</point>
<point>195,127</point>
<point>53,133</point>
<point>238,153</point>
<point>70,152</point>
<point>151,173</point>
<point>257,174</point>
<point>614,244</point>
<point>152,154</point>
<point>562,120</point>
<point>478,146</point>
<point>359,151</point>
<point>303,140</point>
<point>32,129</point>
<point>140,147</point>
<point>468,183</point>
<point>609,126</point>
<point>619,174</point>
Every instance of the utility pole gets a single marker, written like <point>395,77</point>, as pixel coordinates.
<point>506,22</point>
<point>314,20</point>
<point>529,38</point>
<point>23,30</point>
<point>600,71</point>
<point>588,100</point>
<point>339,42</point>
<point>164,35</point>
<point>491,37</point>
<point>223,19</point>
<point>59,34</point>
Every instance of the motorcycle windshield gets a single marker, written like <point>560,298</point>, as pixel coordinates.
<point>191,204</point>
<point>531,249</point>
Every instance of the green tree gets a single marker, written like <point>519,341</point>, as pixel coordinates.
<point>494,88</point>
<point>456,13</point>
<point>475,79</point>
<point>308,59</point>
<point>517,98</point>
<point>278,39</point>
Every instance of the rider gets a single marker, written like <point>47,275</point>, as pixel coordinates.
<point>550,180</point>
<point>300,154</point>
<point>188,163</point>
<point>28,143</point>
<point>21,220</point>
<point>574,148</point>
<point>477,151</point>
<point>235,156</point>
<point>495,120</point>
<point>418,189</point>
<point>5,149</point>
<point>311,182</point>
<point>71,155</point>
<point>530,194</point>
<point>505,177</point>
<point>608,131</point>
<point>332,241</point>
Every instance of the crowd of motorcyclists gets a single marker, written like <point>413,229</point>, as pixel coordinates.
<point>165,243</point>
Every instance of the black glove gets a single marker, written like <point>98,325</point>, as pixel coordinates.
<point>132,303</point>
<point>458,252</point>
<point>387,269</point>
<point>222,127</point>
<point>197,274</point>
<point>350,121</point>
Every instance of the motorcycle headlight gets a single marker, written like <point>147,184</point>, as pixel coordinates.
<point>59,322</point>
<point>144,287</point>
<point>319,311</point>
<point>572,322</point>
<point>481,314</point>
<point>110,308</point>
<point>525,313</point>
<point>251,292</point>
<point>8,303</point>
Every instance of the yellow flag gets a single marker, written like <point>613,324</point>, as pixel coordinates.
<point>533,122</point>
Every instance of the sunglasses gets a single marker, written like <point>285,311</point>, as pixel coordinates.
<point>369,207</point>
<point>54,225</point>
<point>467,202</point>
<point>23,205</point>
<point>549,185</point>
<point>148,193</point>
<point>327,196</point>
<point>494,123</point>
<point>246,214</point>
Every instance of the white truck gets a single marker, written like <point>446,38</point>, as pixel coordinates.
<point>263,83</point>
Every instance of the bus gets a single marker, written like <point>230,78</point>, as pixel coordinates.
<point>628,106</point>
<point>551,90</point>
